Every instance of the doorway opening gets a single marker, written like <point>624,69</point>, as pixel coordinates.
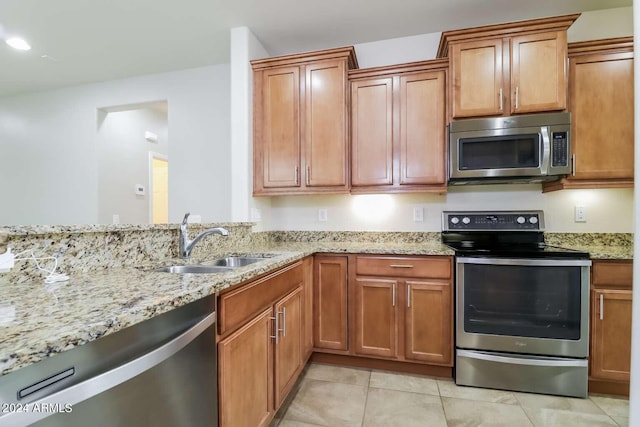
<point>158,188</point>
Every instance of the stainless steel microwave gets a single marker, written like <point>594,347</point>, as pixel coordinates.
<point>527,148</point>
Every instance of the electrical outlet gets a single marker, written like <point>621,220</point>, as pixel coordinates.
<point>418,214</point>
<point>116,219</point>
<point>580,214</point>
<point>322,214</point>
<point>256,214</point>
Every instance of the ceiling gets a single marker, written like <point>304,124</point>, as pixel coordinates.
<point>81,41</point>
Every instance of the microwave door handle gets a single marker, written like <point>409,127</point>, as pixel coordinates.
<point>546,149</point>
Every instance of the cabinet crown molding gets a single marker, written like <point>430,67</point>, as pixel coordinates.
<point>556,23</point>
<point>620,44</point>
<point>347,52</point>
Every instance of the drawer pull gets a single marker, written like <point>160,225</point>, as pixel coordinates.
<point>401,265</point>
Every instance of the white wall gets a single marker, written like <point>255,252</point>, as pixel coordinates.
<point>48,164</point>
<point>395,212</point>
<point>244,47</point>
<point>301,212</point>
<point>602,24</point>
<point>123,161</point>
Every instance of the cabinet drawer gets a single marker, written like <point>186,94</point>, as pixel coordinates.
<point>238,306</point>
<point>613,273</point>
<point>436,267</point>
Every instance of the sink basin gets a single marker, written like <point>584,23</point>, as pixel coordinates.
<point>193,269</point>
<point>233,261</point>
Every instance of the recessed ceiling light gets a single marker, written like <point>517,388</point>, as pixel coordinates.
<point>18,43</point>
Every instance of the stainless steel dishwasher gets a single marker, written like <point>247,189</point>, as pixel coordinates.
<point>161,372</point>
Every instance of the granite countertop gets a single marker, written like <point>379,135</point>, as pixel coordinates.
<point>38,320</point>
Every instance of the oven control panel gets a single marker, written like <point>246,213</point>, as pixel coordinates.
<point>499,221</point>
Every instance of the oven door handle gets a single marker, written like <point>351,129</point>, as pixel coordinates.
<point>525,262</point>
<point>529,360</point>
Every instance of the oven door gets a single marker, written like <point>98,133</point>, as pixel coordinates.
<point>531,306</point>
<point>499,153</point>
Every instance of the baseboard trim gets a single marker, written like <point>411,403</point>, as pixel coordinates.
<point>386,365</point>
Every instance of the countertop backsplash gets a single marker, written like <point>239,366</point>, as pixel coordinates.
<point>81,249</point>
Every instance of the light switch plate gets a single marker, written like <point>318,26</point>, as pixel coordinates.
<point>418,214</point>
<point>581,214</point>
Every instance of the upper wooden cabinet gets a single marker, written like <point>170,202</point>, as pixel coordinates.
<point>601,105</point>
<point>398,128</point>
<point>509,68</point>
<point>301,123</point>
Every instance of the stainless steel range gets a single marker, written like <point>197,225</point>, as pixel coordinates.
<point>522,307</point>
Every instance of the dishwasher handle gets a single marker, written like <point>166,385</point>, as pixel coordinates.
<point>109,379</point>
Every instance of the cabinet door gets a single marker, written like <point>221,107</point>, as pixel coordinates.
<point>372,132</point>
<point>326,124</point>
<point>611,334</point>
<point>602,115</point>
<point>538,72</point>
<point>245,373</point>
<point>429,322</point>
<point>330,298</point>
<point>279,136</point>
<point>288,349</point>
<point>422,128</point>
<point>307,334</point>
<point>477,78</point>
<point>376,317</point>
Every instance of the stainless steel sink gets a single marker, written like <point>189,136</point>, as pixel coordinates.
<point>219,265</point>
<point>234,261</point>
<point>193,269</point>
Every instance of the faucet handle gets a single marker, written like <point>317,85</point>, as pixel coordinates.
<point>184,220</point>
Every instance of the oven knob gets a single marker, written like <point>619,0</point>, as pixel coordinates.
<point>455,220</point>
<point>533,220</point>
<point>466,220</point>
<point>520,220</point>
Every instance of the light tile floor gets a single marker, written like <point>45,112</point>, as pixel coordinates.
<point>335,396</point>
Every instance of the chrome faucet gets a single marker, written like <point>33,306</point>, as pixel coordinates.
<point>186,245</point>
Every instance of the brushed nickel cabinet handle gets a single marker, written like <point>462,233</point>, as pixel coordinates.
<point>307,175</point>
<point>408,295</point>
<point>295,175</point>
<point>393,295</point>
<point>284,321</point>
<point>401,265</point>
<point>601,306</point>
<point>276,328</point>
<point>517,96</point>
<point>573,165</point>
<point>500,94</point>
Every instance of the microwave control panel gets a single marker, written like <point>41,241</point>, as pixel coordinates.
<point>559,149</point>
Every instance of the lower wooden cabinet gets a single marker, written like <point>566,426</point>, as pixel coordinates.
<point>288,344</point>
<point>259,363</point>
<point>330,302</point>
<point>245,374</point>
<point>611,301</point>
<point>307,326</point>
<point>406,318</point>
<point>428,325</point>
